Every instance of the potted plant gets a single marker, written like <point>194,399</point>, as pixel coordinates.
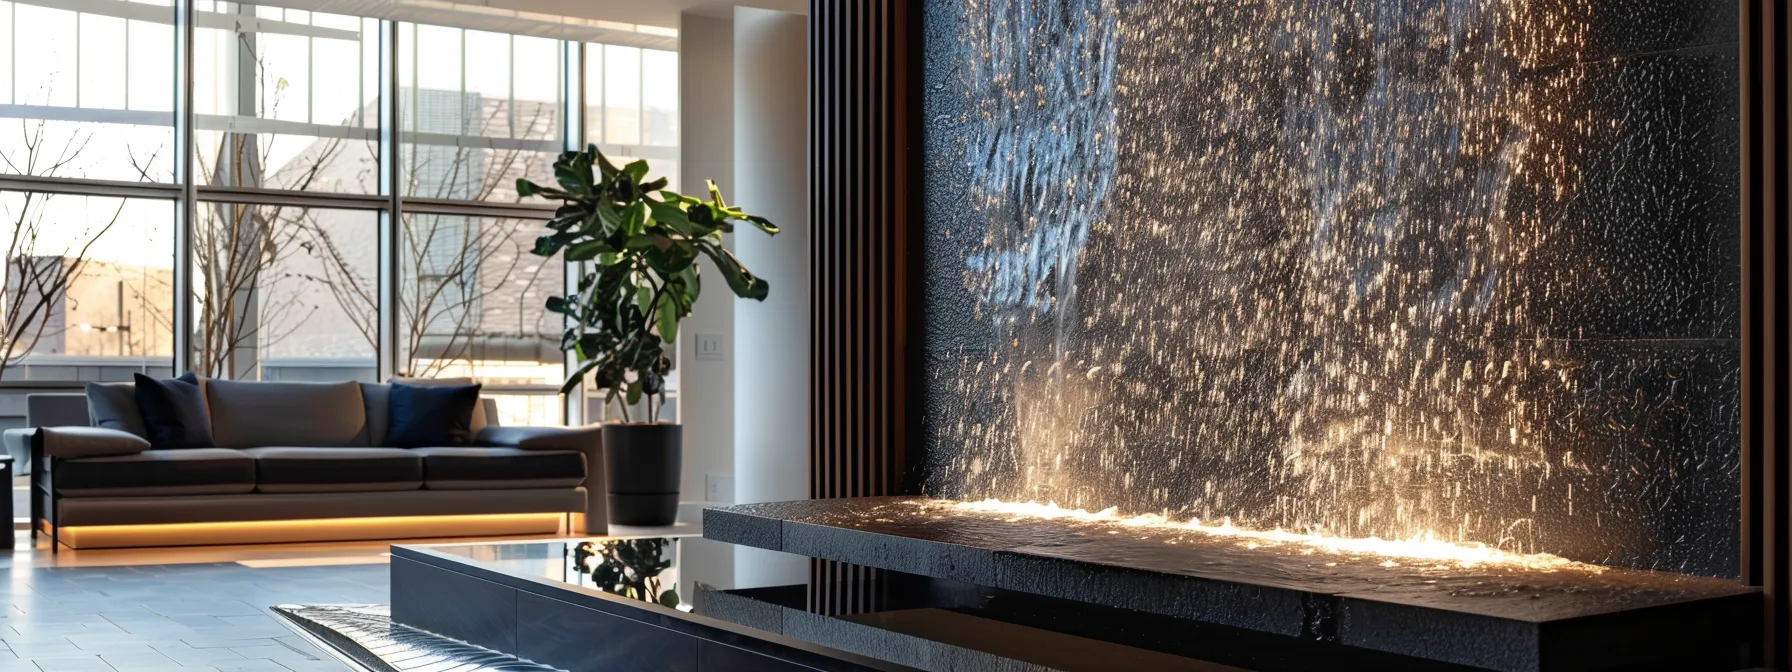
<point>637,246</point>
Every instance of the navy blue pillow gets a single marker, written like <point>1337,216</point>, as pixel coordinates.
<point>174,414</point>
<point>432,415</point>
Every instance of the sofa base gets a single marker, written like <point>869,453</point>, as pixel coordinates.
<point>314,530</point>
<point>116,522</point>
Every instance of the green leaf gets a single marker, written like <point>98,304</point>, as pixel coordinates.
<point>574,174</point>
<point>644,299</point>
<point>667,318</point>
<point>764,224</point>
<point>559,304</point>
<point>656,185</point>
<point>715,196</point>
<point>610,217</point>
<point>636,170</point>
<point>673,217</point>
<point>634,218</point>
<point>578,375</point>
<point>742,281</point>
<point>587,250</point>
<point>526,188</point>
<point>546,246</point>
<point>633,394</point>
<point>607,169</point>
<point>669,598</point>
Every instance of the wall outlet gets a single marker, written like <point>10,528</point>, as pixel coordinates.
<point>719,488</point>
<point>709,347</point>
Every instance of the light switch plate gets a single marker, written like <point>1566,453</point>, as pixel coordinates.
<point>720,488</point>
<point>709,347</point>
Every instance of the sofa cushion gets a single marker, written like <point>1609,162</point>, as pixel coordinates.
<point>433,415</point>
<point>174,412</point>
<point>114,406</point>
<point>253,414</point>
<point>376,399</point>
<point>479,411</point>
<point>469,468</point>
<point>186,471</point>
<point>88,441</point>
<point>281,469</point>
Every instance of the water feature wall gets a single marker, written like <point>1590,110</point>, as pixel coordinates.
<point>1465,268</point>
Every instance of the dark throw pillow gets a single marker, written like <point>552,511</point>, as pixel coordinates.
<point>174,414</point>
<point>423,416</point>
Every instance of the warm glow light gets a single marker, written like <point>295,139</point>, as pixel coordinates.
<point>1425,548</point>
<point>317,529</point>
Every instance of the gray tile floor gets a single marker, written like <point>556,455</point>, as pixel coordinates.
<point>170,617</point>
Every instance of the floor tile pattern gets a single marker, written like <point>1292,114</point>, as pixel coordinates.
<point>188,618</point>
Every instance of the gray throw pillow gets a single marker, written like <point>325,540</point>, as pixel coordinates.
<point>174,413</point>
<point>114,406</point>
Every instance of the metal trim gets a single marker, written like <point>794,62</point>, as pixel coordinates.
<point>442,206</point>
<point>183,174</point>
<point>261,196</point>
<point>85,187</point>
<point>391,234</point>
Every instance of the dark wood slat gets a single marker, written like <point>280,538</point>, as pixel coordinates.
<point>864,311</point>
<point>1766,396</point>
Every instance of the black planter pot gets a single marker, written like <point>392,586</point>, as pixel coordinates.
<point>643,463</point>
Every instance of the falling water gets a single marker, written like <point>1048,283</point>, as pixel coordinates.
<point>1298,264</point>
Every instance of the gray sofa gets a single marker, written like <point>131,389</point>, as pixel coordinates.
<point>296,452</point>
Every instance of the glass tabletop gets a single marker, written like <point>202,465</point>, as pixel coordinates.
<point>651,569</point>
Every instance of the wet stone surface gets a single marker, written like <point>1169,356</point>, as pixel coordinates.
<point>1494,616</point>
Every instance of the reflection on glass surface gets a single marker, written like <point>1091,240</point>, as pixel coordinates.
<point>285,292</point>
<point>641,569</point>
<point>286,99</point>
<point>87,94</point>
<point>631,105</point>
<point>478,111</point>
<point>89,291</point>
<point>474,301</point>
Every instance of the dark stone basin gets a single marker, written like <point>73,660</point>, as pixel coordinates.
<point>1491,616</point>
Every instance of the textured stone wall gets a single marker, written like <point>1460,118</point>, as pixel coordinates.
<point>1465,269</point>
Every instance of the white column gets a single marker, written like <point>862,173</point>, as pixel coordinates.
<point>771,338</point>
<point>706,383</point>
<point>706,152</point>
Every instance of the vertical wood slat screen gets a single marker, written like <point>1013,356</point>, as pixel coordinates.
<point>1766,379</point>
<point>861,142</point>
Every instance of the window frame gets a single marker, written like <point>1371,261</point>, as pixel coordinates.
<point>189,193</point>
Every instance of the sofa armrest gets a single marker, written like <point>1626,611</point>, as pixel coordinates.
<point>67,442</point>
<point>18,445</point>
<point>540,438</point>
<point>588,439</point>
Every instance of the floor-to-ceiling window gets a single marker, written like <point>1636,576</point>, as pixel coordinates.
<point>343,186</point>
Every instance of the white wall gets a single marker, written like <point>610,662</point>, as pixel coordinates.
<point>771,371</point>
<point>706,387</point>
<point>706,146</point>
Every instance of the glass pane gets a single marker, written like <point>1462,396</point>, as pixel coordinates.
<point>285,293</point>
<point>473,298</point>
<point>90,292</point>
<point>631,106</point>
<point>622,95</point>
<point>659,97</point>
<point>87,94</point>
<point>528,410</point>
<point>290,101</point>
<point>478,111</point>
